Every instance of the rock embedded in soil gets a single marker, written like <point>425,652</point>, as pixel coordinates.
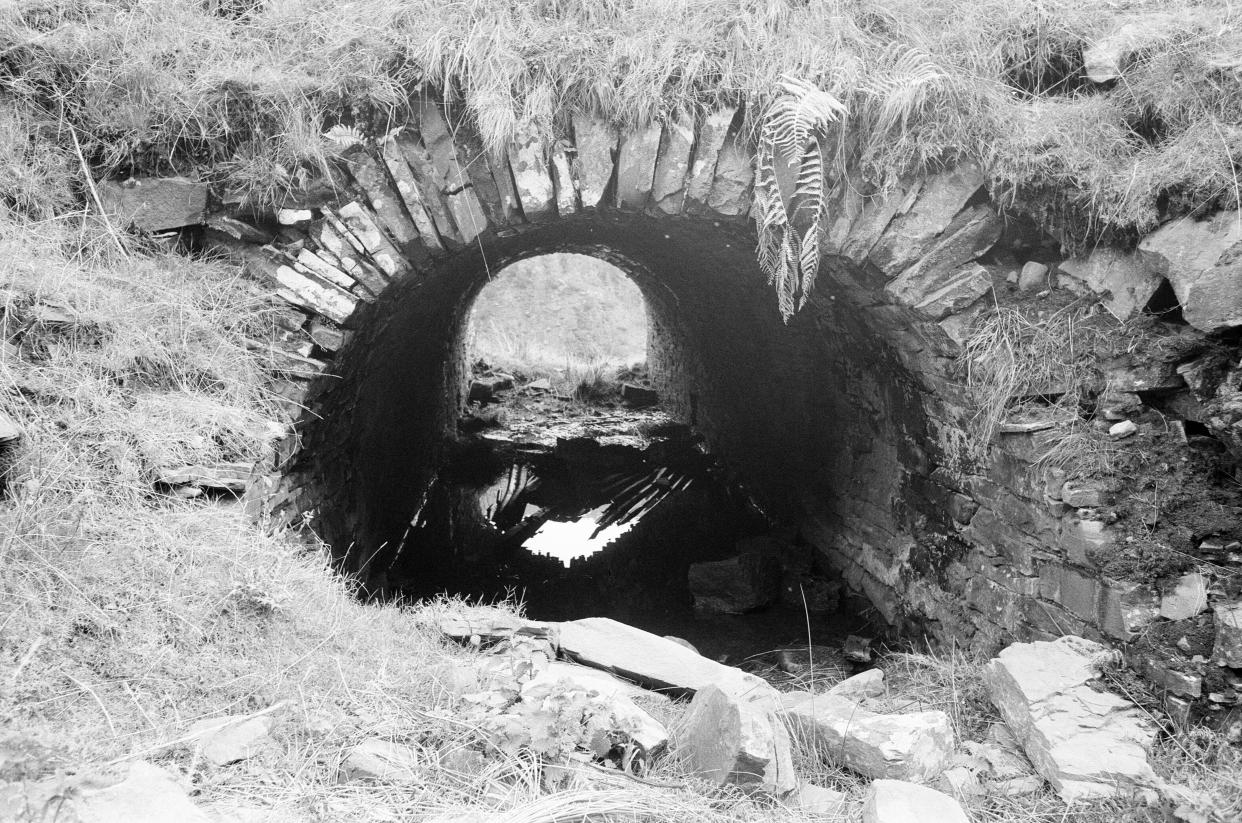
<point>1033,277</point>
<point>1087,742</point>
<point>651,660</point>
<point>381,760</point>
<point>912,746</point>
<point>224,741</point>
<point>897,801</point>
<point>1187,598</point>
<point>1199,258</point>
<point>739,584</point>
<point>154,204</point>
<point>864,684</point>
<point>739,741</point>
<point>148,794</point>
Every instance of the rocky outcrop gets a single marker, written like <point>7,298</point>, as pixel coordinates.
<point>1084,740</point>
<point>914,746</point>
<point>739,741</point>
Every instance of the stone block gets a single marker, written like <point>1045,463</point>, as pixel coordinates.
<point>911,235</point>
<point>897,801</point>
<point>862,685</point>
<point>636,166</point>
<point>730,192</point>
<point>1124,281</point>
<point>148,794</point>
<point>1079,495</point>
<point>1083,540</point>
<point>1033,277</point>
<point>711,137</point>
<point>154,203</point>
<point>1227,650</point>
<point>736,585</point>
<point>532,177</point>
<point>958,291</point>
<point>1088,743</point>
<point>1201,259</point>
<point>1168,679</point>
<point>1126,608</point>
<point>673,165</point>
<point>595,140</point>
<point>732,740</point>
<point>1070,588</point>
<point>229,740</point>
<point>1185,598</point>
<point>913,746</point>
<point>972,233</point>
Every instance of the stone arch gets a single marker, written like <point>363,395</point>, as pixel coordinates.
<point>848,417</point>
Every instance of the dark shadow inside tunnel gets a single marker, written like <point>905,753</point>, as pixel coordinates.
<point>817,415</point>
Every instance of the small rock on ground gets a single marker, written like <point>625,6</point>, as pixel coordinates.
<point>738,741</point>
<point>383,760</point>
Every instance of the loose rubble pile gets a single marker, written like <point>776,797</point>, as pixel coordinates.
<point>556,691</point>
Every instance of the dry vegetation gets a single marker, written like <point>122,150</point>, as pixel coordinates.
<point>244,90</point>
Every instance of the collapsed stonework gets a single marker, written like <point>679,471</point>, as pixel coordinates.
<point>853,421</point>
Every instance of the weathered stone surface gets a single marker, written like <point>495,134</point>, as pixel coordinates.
<point>310,293</point>
<point>362,226</point>
<point>913,746</point>
<point>735,740</point>
<point>148,794</point>
<point>730,193</point>
<point>1087,743</point>
<point>1228,648</point>
<point>595,140</point>
<point>956,291</point>
<point>1122,429</point>
<point>651,660</point>
<point>532,178</point>
<point>325,336</point>
<point>897,801</point>
<point>1171,680</point>
<point>1202,260</point>
<point>1186,598</point>
<point>1126,608</point>
<point>410,166</point>
<point>874,217</point>
<point>563,180</point>
<point>711,138</point>
<point>382,760</point>
<point>673,164</point>
<point>911,235</point>
<point>864,684</point>
<point>454,185</point>
<point>972,233</point>
<point>636,166</point>
<point>382,196</point>
<point>224,740</point>
<point>681,641</point>
<point>1125,281</point>
<point>154,203</point>
<point>739,584</point>
<point>818,800</point>
<point>490,623</point>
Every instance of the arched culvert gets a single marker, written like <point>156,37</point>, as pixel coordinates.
<point>726,363</point>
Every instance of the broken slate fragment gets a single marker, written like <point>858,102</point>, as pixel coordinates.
<point>738,741</point>
<point>1087,742</point>
<point>896,801</point>
<point>1228,648</point>
<point>380,760</point>
<point>912,746</point>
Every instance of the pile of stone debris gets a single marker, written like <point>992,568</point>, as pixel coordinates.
<point>739,730</point>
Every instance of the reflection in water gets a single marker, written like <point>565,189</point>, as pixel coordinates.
<point>575,539</point>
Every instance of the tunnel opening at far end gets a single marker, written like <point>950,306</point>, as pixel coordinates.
<point>654,475</point>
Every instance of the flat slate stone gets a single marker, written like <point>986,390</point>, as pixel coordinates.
<point>897,801</point>
<point>148,794</point>
<point>651,660</point>
<point>1202,260</point>
<point>1088,743</point>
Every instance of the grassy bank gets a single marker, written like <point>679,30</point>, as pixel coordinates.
<point>245,91</point>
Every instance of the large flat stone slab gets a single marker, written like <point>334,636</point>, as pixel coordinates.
<point>148,794</point>
<point>154,203</point>
<point>911,746</point>
<point>738,741</point>
<point>652,660</point>
<point>1087,742</point>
